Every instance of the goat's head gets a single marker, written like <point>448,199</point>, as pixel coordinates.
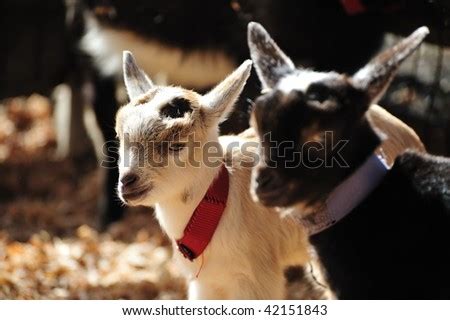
<point>163,132</point>
<point>304,117</point>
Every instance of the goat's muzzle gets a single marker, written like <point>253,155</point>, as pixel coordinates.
<point>130,189</point>
<point>268,186</point>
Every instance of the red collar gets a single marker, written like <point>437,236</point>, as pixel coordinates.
<point>205,219</point>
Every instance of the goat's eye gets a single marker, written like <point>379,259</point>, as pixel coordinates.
<point>319,94</point>
<point>176,146</point>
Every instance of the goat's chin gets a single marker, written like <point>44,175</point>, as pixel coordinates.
<point>143,200</point>
<point>147,201</point>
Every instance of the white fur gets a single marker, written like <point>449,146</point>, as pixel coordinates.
<point>193,69</point>
<point>249,250</point>
<point>301,80</point>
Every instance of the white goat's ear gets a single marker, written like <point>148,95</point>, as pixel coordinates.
<point>220,100</point>
<point>376,76</point>
<point>136,81</point>
<point>271,63</point>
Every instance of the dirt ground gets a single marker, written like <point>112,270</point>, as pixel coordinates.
<point>50,245</point>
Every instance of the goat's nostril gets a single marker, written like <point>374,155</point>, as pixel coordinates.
<point>129,179</point>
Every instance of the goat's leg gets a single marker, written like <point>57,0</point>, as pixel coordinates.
<point>72,136</point>
<point>105,107</point>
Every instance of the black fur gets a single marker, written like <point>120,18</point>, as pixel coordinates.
<point>37,51</point>
<point>394,245</point>
<point>176,108</point>
<point>110,206</point>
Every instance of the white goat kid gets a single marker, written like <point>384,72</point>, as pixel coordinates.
<point>163,127</point>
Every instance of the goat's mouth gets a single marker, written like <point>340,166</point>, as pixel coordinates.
<point>276,197</point>
<point>275,191</point>
<point>135,194</point>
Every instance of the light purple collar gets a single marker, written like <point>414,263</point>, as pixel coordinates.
<point>347,195</point>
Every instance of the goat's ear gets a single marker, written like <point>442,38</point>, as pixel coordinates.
<point>271,63</point>
<point>376,76</point>
<point>136,81</point>
<point>220,100</point>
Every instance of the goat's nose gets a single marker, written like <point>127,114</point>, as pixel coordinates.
<point>129,179</point>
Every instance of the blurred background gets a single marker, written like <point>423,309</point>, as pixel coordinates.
<point>63,232</point>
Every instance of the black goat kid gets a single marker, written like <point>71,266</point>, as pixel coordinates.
<point>380,234</point>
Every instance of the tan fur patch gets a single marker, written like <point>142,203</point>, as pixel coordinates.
<point>186,196</point>
<point>145,98</point>
<point>399,136</point>
<point>312,133</point>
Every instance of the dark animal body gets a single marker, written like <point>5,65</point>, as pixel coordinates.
<point>36,52</point>
<point>395,244</point>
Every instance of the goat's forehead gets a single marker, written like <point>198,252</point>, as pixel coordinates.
<point>301,80</point>
<point>148,105</point>
<point>142,115</point>
<point>154,128</point>
<point>159,97</point>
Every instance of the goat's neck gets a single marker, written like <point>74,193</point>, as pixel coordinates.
<point>173,213</point>
<point>361,144</point>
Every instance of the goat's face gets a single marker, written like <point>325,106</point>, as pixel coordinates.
<point>304,118</point>
<point>299,124</point>
<point>163,132</point>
